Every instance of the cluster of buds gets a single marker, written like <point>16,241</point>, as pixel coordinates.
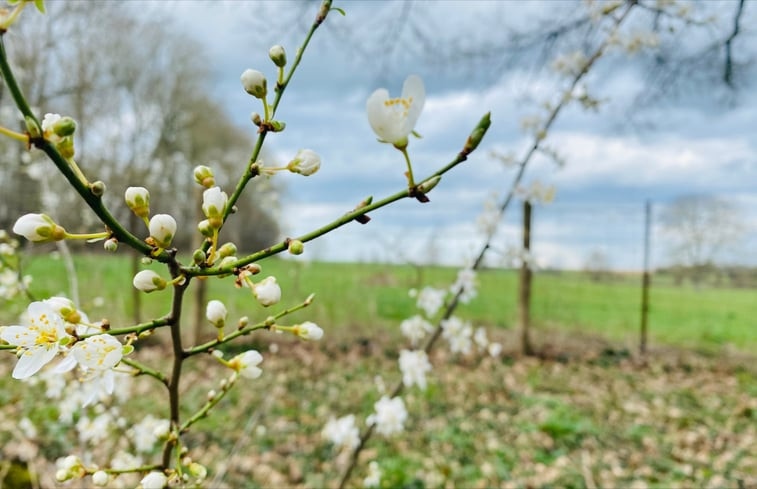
<point>60,132</point>
<point>162,227</point>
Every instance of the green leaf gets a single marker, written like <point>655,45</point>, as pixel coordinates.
<point>40,4</point>
<point>127,349</point>
<point>339,10</point>
<point>416,135</point>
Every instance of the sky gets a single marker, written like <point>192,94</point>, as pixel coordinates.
<point>702,142</point>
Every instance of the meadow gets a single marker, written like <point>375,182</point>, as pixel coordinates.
<point>358,299</point>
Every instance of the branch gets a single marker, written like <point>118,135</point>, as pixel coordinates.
<point>728,74</point>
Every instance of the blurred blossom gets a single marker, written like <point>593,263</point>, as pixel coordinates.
<point>342,432</point>
<point>390,416</point>
<point>414,365</point>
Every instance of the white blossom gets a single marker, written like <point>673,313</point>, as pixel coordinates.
<point>138,200</point>
<point>267,291</point>
<point>48,123</point>
<point>147,432</point>
<point>466,284</point>
<point>99,352</point>
<point>415,328</point>
<point>414,365</point>
<point>94,430</point>
<point>216,313</point>
<point>38,228</point>
<point>306,162</point>
<point>482,342</point>
<point>342,432</point>
<point>214,202</point>
<point>393,119</point>
<point>148,281</point>
<point>154,480</point>
<point>254,83</point>
<point>162,229</point>
<point>38,341</point>
<point>390,416</point>
<point>373,479</point>
<point>458,334</point>
<point>494,349</point>
<point>100,478</point>
<point>430,300</point>
<point>309,331</point>
<point>247,364</point>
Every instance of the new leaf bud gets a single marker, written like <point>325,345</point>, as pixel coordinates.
<point>296,247</point>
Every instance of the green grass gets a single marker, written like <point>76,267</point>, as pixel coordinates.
<point>368,299</point>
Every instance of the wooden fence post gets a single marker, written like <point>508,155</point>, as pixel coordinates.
<point>645,281</point>
<point>524,289</point>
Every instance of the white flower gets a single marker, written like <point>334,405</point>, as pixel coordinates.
<point>342,432</point>
<point>214,202</point>
<point>309,331</point>
<point>414,365</point>
<point>148,281</point>
<point>465,284</point>
<point>100,352</point>
<point>415,328</point>
<point>495,349</point>
<point>458,334</point>
<point>254,83</point>
<point>480,338</point>
<point>138,200</point>
<point>38,341</point>
<point>373,479</point>
<point>216,313</point>
<point>100,478</point>
<point>247,364</point>
<point>306,162</point>
<point>94,430</point>
<point>394,119</point>
<point>48,122</point>
<point>38,228</point>
<point>267,291</point>
<point>66,308</point>
<point>390,415</point>
<point>154,480</point>
<point>431,299</point>
<point>147,432</point>
<point>162,229</point>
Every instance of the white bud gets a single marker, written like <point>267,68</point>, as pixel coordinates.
<point>267,291</point>
<point>254,83</point>
<point>309,331</point>
<point>278,55</point>
<point>216,313</point>
<point>204,176</point>
<point>138,200</point>
<point>306,162</point>
<point>148,281</point>
<point>154,480</point>
<point>100,478</point>
<point>38,228</point>
<point>213,204</point>
<point>162,229</point>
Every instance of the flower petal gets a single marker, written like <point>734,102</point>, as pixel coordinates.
<point>34,359</point>
<point>414,92</point>
<point>19,336</point>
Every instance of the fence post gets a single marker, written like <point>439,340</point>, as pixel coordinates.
<point>524,289</point>
<point>645,280</point>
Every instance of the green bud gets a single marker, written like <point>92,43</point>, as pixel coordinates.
<point>278,55</point>
<point>277,126</point>
<point>64,127</point>
<point>127,349</point>
<point>66,147</point>
<point>97,188</point>
<point>205,228</point>
<point>204,176</point>
<point>228,249</point>
<point>33,127</point>
<point>198,257</point>
<point>427,186</point>
<point>296,247</point>
<point>146,260</point>
<point>478,134</point>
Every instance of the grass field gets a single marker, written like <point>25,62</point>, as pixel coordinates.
<point>365,299</point>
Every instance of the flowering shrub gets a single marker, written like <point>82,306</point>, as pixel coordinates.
<point>101,355</point>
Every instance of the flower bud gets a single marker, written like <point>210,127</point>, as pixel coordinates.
<point>427,186</point>
<point>306,162</point>
<point>205,228</point>
<point>198,257</point>
<point>228,249</point>
<point>254,83</point>
<point>276,126</point>
<point>278,55</point>
<point>66,147</point>
<point>213,204</point>
<point>138,200</point>
<point>255,118</point>
<point>309,331</point>
<point>204,176</point>
<point>38,228</point>
<point>148,281</point>
<point>154,480</point>
<point>162,229</point>
<point>62,475</point>
<point>100,478</point>
<point>216,313</point>
<point>296,247</point>
<point>32,127</point>
<point>110,245</point>
<point>65,126</point>
<point>97,188</point>
<point>267,291</point>
<point>478,134</point>
<point>228,260</point>
<point>198,471</point>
